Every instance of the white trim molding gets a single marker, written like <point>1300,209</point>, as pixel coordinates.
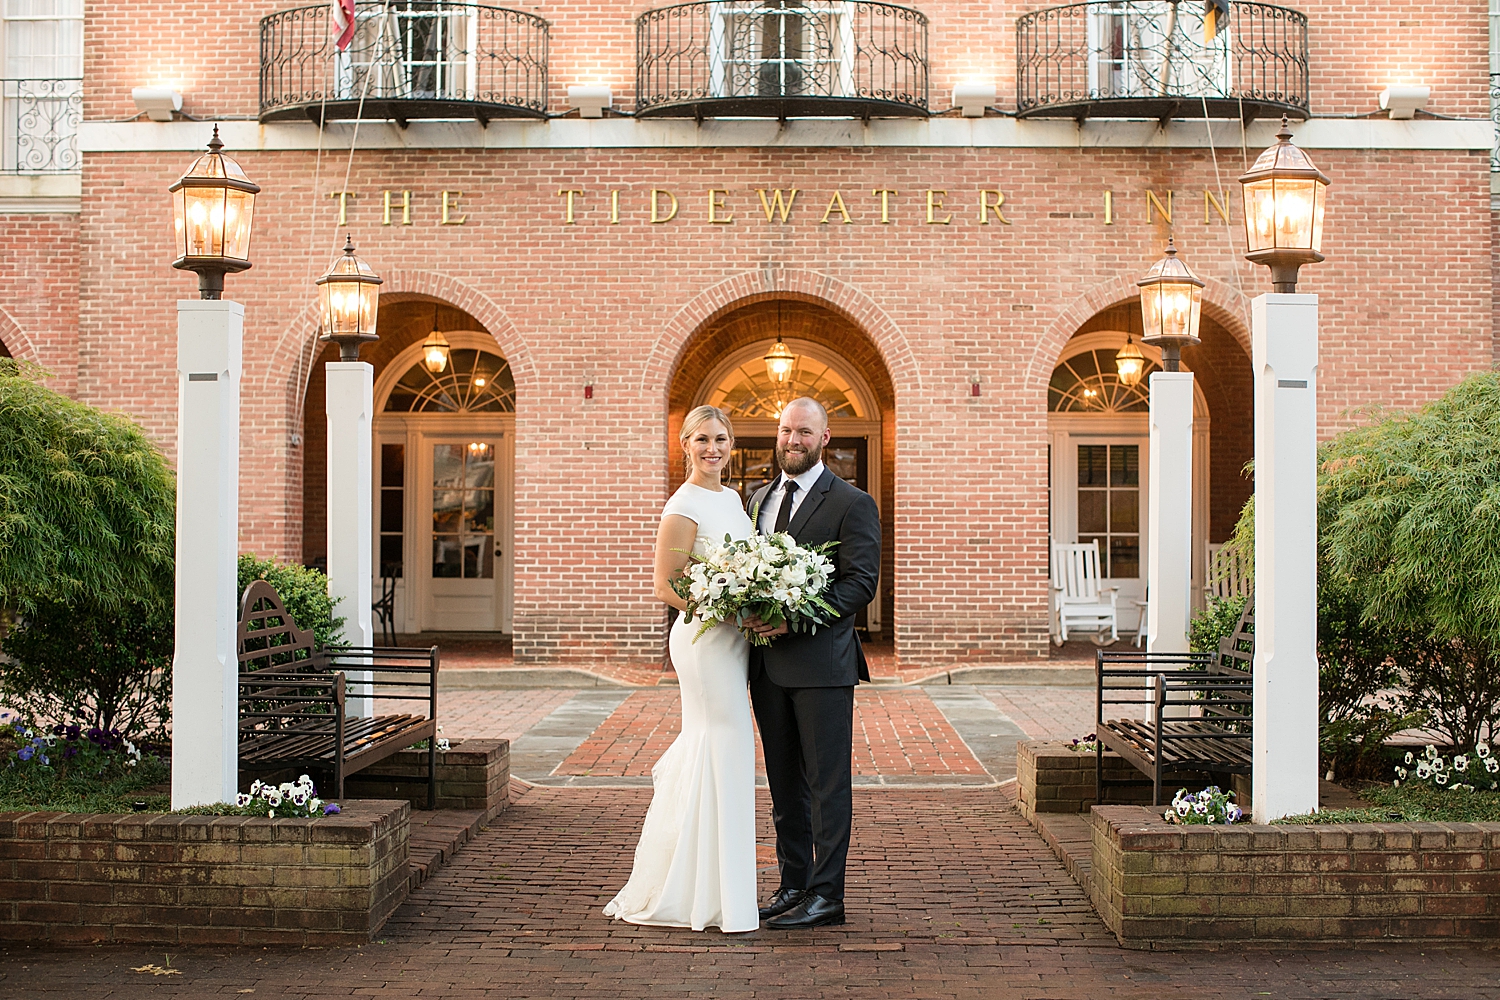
<point>631,133</point>
<point>39,194</point>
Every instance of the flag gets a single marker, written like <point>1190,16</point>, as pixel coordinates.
<point>1215,16</point>
<point>343,20</point>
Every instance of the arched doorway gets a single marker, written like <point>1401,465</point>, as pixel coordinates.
<point>444,441</point>
<point>836,364</point>
<point>1099,446</point>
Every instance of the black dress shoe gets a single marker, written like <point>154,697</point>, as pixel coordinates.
<point>812,911</point>
<point>782,899</point>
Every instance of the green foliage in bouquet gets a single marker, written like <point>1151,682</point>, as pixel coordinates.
<point>304,591</point>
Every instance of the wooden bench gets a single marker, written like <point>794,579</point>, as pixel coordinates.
<point>1199,710</point>
<point>293,698</point>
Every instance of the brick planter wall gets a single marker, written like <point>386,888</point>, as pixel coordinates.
<point>210,880</point>
<point>472,774</point>
<point>1055,779</point>
<point>1160,885</point>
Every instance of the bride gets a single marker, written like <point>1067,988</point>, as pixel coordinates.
<point>695,863</point>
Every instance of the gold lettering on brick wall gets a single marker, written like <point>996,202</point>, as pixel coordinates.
<point>1152,201</point>
<point>1211,202</point>
<point>835,204</point>
<point>385,212</point>
<point>884,194</point>
<point>656,216</point>
<point>343,197</point>
<point>986,206</point>
<point>776,206</point>
<point>936,205</point>
<point>450,203</point>
<point>715,203</point>
<point>1109,208</point>
<point>568,194</point>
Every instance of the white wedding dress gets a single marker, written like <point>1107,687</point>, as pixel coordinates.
<point>695,863</point>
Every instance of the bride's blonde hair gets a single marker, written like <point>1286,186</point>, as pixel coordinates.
<point>695,419</point>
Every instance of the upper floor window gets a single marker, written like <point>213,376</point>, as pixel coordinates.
<point>414,50</point>
<point>782,48</point>
<point>41,91</point>
<point>1143,48</point>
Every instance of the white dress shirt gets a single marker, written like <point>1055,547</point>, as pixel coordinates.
<point>765,521</point>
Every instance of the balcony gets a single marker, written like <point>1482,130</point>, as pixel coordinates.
<point>408,60</point>
<point>39,126</point>
<point>781,59</point>
<point>1147,59</point>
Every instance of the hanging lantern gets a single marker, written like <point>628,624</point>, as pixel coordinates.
<point>1129,363</point>
<point>779,362</point>
<point>435,353</point>
<point>1171,306</point>
<point>212,208</point>
<point>1284,197</point>
<point>349,303</point>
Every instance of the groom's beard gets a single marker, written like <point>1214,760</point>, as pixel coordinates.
<point>794,463</point>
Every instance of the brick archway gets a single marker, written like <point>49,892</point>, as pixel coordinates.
<point>13,340</point>
<point>769,284</point>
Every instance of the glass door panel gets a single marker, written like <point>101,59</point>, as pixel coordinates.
<point>1109,505</point>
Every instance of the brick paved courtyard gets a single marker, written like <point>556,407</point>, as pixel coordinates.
<point>951,894</point>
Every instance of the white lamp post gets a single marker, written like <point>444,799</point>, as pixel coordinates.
<point>213,206</point>
<point>349,304</point>
<point>1171,306</point>
<point>1284,198</point>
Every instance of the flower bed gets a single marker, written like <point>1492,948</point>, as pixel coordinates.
<point>211,880</point>
<point>1163,885</point>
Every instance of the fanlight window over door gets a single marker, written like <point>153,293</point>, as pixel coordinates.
<point>1148,48</point>
<point>473,382</point>
<point>747,391</point>
<point>782,48</point>
<point>411,50</point>
<point>1087,383</point>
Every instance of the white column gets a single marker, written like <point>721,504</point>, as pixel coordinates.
<point>349,395</point>
<point>1284,354</point>
<point>205,664</point>
<point>1169,520</point>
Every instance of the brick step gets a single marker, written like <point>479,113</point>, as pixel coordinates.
<point>436,837</point>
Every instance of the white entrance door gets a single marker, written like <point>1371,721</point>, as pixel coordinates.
<point>464,541</point>
<point>1099,495</point>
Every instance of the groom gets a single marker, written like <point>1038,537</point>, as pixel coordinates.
<point>802,684</point>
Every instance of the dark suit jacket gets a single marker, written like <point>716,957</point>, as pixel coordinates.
<point>832,511</point>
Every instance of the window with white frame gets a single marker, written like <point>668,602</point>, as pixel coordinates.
<point>782,48</point>
<point>1151,48</point>
<point>41,103</point>
<point>412,50</point>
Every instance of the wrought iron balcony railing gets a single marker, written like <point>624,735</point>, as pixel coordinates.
<point>781,59</point>
<point>39,126</point>
<point>409,59</point>
<point>1148,59</point>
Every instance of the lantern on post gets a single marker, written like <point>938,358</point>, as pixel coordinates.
<point>1284,197</point>
<point>212,208</point>
<point>1130,363</point>
<point>349,302</point>
<point>1171,306</point>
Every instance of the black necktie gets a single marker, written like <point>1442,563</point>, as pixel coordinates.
<point>784,512</point>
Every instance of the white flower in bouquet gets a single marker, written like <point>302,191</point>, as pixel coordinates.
<point>767,577</point>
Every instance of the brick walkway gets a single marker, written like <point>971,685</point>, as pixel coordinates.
<point>1047,713</point>
<point>951,896</point>
<point>492,715</point>
<point>896,733</point>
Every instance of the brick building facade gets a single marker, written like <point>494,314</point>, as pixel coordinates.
<point>1001,260</point>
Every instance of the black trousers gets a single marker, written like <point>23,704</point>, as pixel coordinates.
<point>808,736</point>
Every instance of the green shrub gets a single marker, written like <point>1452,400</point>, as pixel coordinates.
<point>303,590</point>
<point>1216,621</point>
<point>86,502</point>
<point>107,668</point>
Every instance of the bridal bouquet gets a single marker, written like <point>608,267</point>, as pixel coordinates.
<point>769,577</point>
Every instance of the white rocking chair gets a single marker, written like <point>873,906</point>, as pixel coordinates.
<point>1080,603</point>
